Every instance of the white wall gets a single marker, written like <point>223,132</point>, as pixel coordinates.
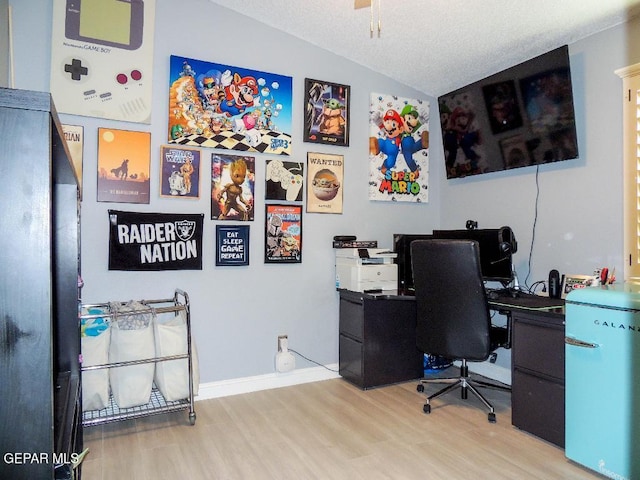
<point>237,312</point>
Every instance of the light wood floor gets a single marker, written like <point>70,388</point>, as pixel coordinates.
<point>327,430</point>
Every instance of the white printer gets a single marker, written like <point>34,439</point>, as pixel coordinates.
<point>366,269</point>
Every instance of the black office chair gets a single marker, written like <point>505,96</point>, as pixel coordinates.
<point>453,313</point>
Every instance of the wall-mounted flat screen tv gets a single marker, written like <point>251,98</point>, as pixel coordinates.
<point>519,117</point>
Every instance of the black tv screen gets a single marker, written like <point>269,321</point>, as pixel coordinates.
<point>496,247</point>
<point>519,117</point>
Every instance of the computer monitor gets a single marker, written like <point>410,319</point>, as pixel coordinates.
<point>402,247</point>
<point>496,248</point>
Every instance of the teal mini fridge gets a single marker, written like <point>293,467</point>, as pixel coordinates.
<point>602,396</point>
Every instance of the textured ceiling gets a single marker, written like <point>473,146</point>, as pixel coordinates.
<point>436,46</point>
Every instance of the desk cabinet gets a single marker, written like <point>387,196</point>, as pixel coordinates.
<point>378,339</point>
<point>537,378</point>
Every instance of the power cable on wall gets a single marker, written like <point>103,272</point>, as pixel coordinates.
<point>533,230</point>
<point>313,361</point>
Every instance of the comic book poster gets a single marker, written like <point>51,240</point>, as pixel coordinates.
<point>398,149</point>
<point>283,234</point>
<point>179,172</point>
<point>325,174</point>
<point>124,159</point>
<point>326,112</point>
<point>284,181</point>
<point>221,106</point>
<point>232,187</point>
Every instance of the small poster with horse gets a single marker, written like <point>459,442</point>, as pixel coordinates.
<point>124,159</point>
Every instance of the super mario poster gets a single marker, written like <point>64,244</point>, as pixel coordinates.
<point>221,106</point>
<point>398,149</point>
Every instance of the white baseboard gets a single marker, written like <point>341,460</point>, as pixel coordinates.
<point>236,386</point>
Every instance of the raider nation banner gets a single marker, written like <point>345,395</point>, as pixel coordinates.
<point>155,241</point>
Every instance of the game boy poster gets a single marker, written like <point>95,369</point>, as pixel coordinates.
<point>398,149</point>
<point>102,58</point>
<point>221,106</point>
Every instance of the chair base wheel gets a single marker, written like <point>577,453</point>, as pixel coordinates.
<point>420,388</point>
<point>426,408</point>
<point>492,417</point>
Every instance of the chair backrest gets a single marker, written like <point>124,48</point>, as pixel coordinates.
<point>453,313</point>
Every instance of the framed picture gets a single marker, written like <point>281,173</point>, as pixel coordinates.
<point>232,245</point>
<point>74,136</point>
<point>283,233</point>
<point>325,180</point>
<point>284,181</point>
<point>326,115</point>
<point>179,172</point>
<point>124,159</point>
<point>515,152</point>
<point>232,187</point>
<point>502,106</point>
<point>222,106</point>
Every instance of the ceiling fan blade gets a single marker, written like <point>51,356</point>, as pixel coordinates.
<point>361,3</point>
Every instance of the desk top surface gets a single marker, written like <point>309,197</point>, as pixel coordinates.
<point>497,299</point>
<point>524,301</point>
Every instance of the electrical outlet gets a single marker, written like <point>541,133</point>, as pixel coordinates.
<point>285,361</point>
<point>283,343</point>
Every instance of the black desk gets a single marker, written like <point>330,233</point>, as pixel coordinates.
<point>377,347</point>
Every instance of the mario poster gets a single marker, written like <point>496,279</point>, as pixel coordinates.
<point>220,106</point>
<point>398,149</point>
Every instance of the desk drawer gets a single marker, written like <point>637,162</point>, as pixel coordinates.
<point>352,318</point>
<point>537,406</point>
<point>538,347</point>
<point>351,360</point>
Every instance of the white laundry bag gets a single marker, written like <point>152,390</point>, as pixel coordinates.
<point>172,376</point>
<point>94,344</point>
<point>131,339</point>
